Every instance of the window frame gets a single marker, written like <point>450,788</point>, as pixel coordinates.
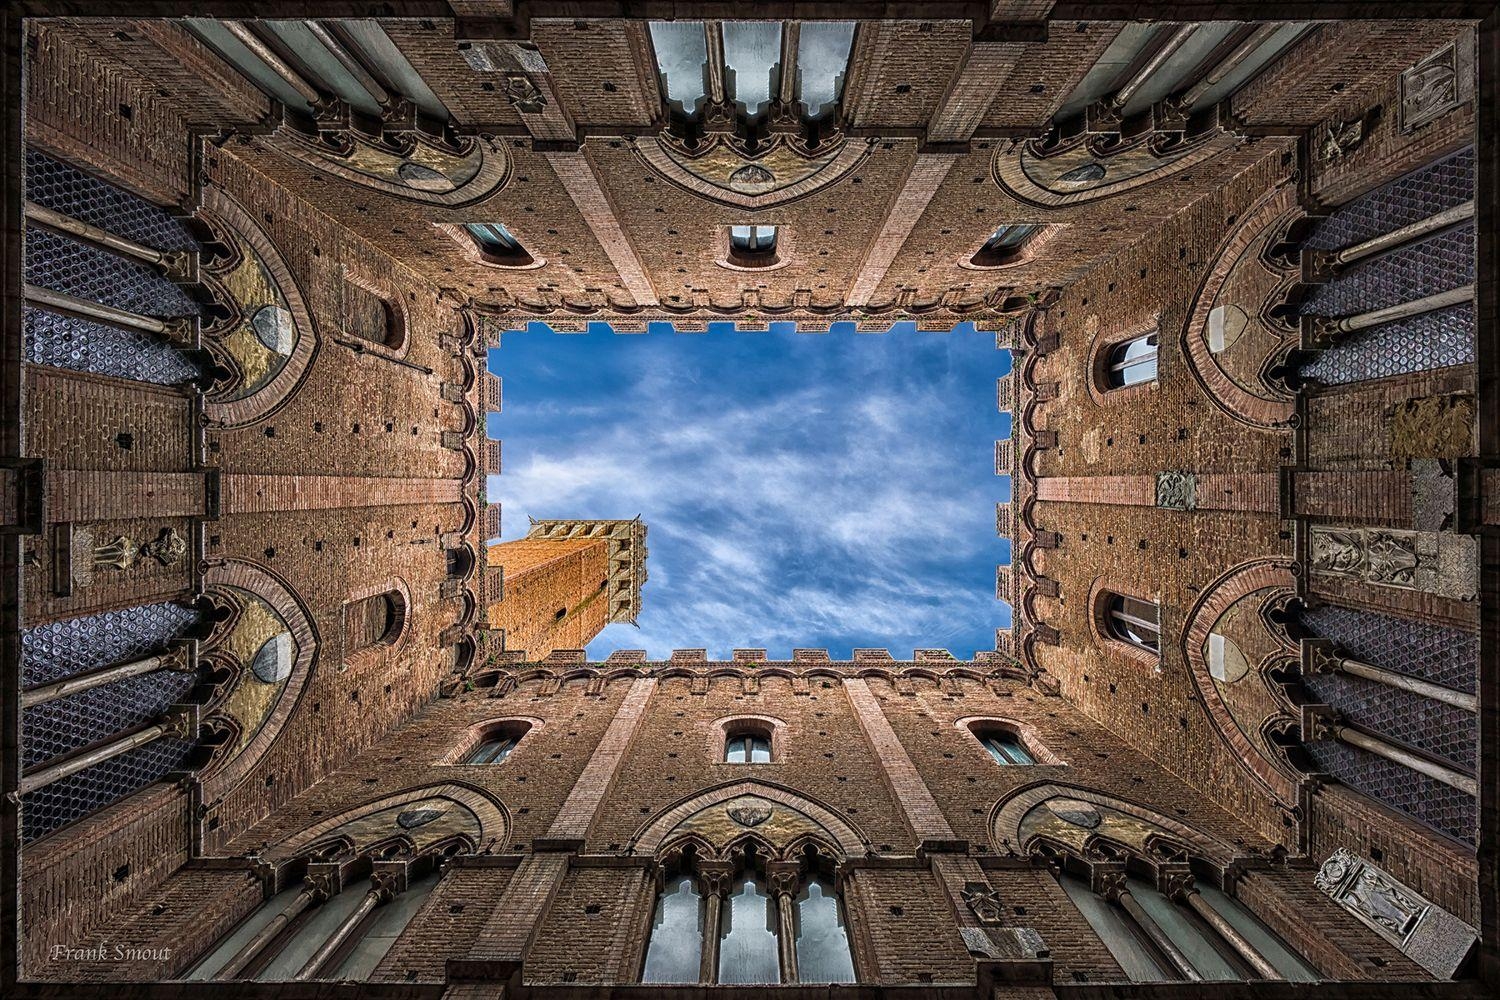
<point>1102,358</point>
<point>732,254</point>
<point>1000,250</point>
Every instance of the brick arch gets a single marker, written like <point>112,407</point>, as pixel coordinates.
<point>1015,167</point>
<point>494,820</point>
<point>1099,593</point>
<point>492,165</point>
<point>1227,394</point>
<point>288,604</point>
<point>284,384</point>
<point>1213,601</point>
<point>841,833</point>
<point>1007,815</point>
<point>654,154</point>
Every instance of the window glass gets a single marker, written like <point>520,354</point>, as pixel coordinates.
<point>747,935</point>
<point>822,57</point>
<point>494,238</point>
<point>752,62</point>
<point>822,941</point>
<point>1135,621</point>
<point>1010,237</point>
<point>752,239</point>
<point>493,751</point>
<point>327,73</point>
<point>682,58</point>
<point>676,935</point>
<point>1139,964</point>
<point>252,925</point>
<point>389,920</point>
<point>1006,748</point>
<point>1132,362</point>
<point>744,748</point>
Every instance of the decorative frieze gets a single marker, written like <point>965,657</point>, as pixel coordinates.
<point>1430,561</point>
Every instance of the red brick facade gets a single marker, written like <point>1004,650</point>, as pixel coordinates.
<point>344,499</point>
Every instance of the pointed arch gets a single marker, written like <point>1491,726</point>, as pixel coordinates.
<point>492,818</point>
<point>657,830</point>
<point>1008,814</point>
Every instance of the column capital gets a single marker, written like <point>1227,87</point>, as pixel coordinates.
<point>716,877</point>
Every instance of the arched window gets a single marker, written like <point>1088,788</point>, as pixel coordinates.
<point>742,747</point>
<point>372,318</point>
<point>497,742</point>
<point>1129,362</point>
<point>748,950</point>
<point>1134,621</point>
<point>752,246</point>
<point>1006,747</point>
<point>676,950</point>
<point>320,941</point>
<point>823,954</point>
<point>1156,938</point>
<point>376,620</point>
<point>497,244</point>
<point>1006,245</point>
<point>725,924</point>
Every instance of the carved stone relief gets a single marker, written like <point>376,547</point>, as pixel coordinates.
<point>1437,84</point>
<point>1338,139</point>
<point>1176,490</point>
<point>1435,562</point>
<point>984,902</point>
<point>1430,935</point>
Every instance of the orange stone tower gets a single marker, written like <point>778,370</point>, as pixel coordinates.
<point>565,581</point>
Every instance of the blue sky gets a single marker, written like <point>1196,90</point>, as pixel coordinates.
<point>800,490</point>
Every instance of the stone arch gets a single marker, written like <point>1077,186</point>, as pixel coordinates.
<point>224,408</point>
<point>491,819</point>
<point>298,619</point>
<point>404,164</point>
<point>715,169</point>
<point>1089,167</point>
<point>1241,268</point>
<point>1009,814</point>
<point>841,834</point>
<point>1266,772</point>
<point>395,338</point>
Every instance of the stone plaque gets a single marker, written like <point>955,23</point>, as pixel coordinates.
<point>1429,934</point>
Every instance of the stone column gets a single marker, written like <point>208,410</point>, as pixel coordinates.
<point>181,721</point>
<point>1320,722</point>
<point>316,888</point>
<point>1322,656</point>
<point>1112,886</point>
<point>1179,888</point>
<point>786,878</point>
<point>183,658</point>
<point>715,877</point>
<point>384,886</point>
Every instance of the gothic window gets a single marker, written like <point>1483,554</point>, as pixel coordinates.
<point>1006,245</point>
<point>823,954</point>
<point>747,748</point>
<point>1129,362</point>
<point>752,246</point>
<point>322,942</point>
<point>749,67</point>
<point>1157,938</point>
<point>1134,621</point>
<point>726,924</point>
<point>372,318</point>
<point>676,948</point>
<point>1006,747</point>
<point>497,244</point>
<point>376,620</point>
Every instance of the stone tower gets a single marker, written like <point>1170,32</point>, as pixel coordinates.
<point>565,581</point>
